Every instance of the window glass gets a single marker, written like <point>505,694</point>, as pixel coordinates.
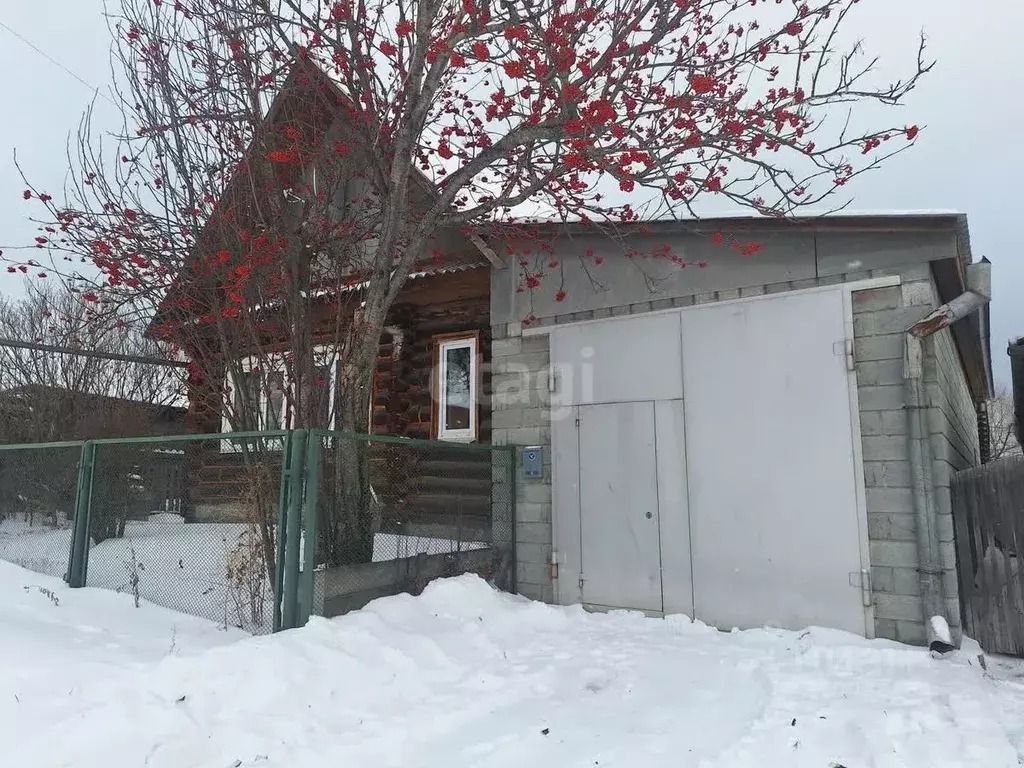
<point>458,364</point>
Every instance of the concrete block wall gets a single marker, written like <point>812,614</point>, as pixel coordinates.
<point>892,528</point>
<point>520,416</point>
<point>881,316</point>
<point>955,445</point>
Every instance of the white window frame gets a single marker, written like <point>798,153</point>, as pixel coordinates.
<point>443,346</point>
<point>275,362</point>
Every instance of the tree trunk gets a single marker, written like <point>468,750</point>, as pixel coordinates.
<point>347,526</point>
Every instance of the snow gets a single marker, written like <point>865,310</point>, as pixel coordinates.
<point>535,211</point>
<point>940,631</point>
<point>466,676</point>
<point>183,566</point>
<point>58,644</point>
<point>35,545</point>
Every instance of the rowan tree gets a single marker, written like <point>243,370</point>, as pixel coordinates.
<point>286,164</point>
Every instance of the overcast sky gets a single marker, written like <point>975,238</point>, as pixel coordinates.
<point>967,160</point>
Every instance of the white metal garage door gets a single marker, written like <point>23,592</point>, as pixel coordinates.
<point>742,495</point>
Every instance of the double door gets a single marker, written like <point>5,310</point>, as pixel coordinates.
<point>704,464</point>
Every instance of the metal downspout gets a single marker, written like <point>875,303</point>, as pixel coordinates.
<point>919,449</point>
<point>1016,352</point>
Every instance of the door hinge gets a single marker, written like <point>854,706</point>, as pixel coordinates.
<point>862,579</point>
<point>581,581</point>
<point>552,379</point>
<point>844,348</point>
<point>577,421</point>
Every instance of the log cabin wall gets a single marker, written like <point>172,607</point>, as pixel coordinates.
<point>404,396</point>
<point>403,388</point>
<point>403,405</point>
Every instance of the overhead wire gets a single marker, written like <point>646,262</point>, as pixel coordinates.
<point>54,61</point>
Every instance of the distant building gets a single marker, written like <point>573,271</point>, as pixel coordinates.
<point>38,413</point>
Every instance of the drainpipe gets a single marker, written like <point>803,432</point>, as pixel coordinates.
<point>1016,352</point>
<point>977,295</point>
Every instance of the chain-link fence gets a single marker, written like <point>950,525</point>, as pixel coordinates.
<point>188,523</point>
<point>388,515</point>
<point>259,530</point>
<point>38,487</point>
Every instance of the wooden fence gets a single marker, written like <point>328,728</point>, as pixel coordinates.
<point>988,510</point>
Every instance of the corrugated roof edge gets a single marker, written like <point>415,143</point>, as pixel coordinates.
<point>868,219</point>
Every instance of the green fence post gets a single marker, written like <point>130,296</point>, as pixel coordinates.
<point>307,586</point>
<point>78,562</point>
<point>282,518</point>
<point>293,528</point>
<point>512,474</point>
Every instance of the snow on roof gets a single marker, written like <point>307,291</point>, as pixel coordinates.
<point>547,216</point>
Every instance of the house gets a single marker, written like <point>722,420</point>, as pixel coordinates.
<point>40,413</point>
<point>765,440</point>
<point>43,481</point>
<point>441,318</point>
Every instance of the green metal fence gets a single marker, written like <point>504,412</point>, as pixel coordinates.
<point>38,494</point>
<point>259,530</point>
<point>384,515</point>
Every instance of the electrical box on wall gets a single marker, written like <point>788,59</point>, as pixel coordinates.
<point>533,464</point>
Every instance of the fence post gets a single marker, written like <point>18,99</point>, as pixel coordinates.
<point>513,457</point>
<point>282,518</point>
<point>307,585</point>
<point>78,561</point>
<point>293,528</point>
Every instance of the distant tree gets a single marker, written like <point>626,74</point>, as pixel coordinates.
<point>1002,426</point>
<point>47,396</point>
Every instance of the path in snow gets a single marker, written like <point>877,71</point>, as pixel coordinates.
<point>464,676</point>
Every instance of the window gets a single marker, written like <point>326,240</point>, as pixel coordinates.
<point>456,374</point>
<point>263,397</point>
<point>259,400</point>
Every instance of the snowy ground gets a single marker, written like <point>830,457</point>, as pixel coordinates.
<point>464,676</point>
<point>181,566</point>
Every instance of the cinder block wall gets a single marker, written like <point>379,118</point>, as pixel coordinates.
<point>955,445</point>
<point>881,317</point>
<point>519,416</point>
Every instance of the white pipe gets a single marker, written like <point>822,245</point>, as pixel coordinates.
<point>919,453</point>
